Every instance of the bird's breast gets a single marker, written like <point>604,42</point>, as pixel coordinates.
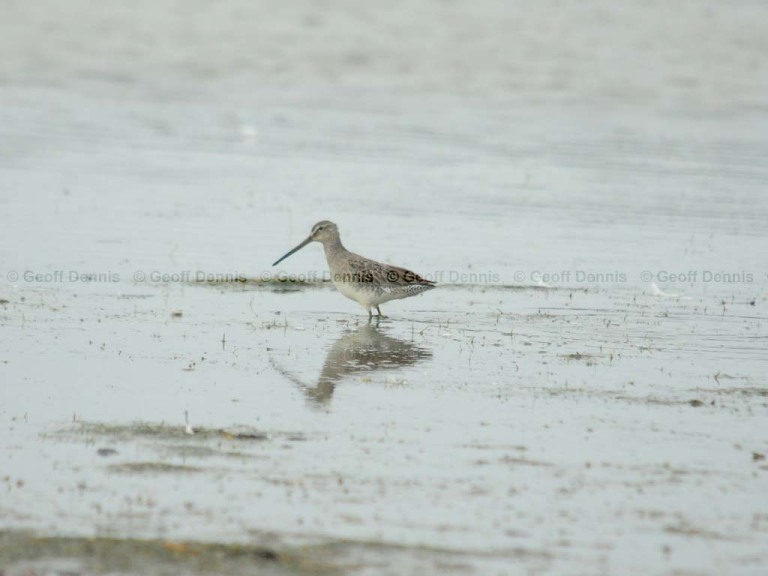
<point>356,292</point>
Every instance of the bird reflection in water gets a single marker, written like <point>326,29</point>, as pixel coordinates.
<point>366,349</point>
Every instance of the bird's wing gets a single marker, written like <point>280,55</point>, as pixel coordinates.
<point>370,271</point>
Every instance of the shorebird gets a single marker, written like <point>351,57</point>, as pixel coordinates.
<point>367,282</point>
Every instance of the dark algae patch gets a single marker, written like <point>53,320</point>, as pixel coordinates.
<point>27,553</point>
<point>153,467</point>
<point>278,284</point>
<point>163,431</point>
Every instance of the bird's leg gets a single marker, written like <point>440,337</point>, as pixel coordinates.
<point>379,311</point>
<point>370,314</point>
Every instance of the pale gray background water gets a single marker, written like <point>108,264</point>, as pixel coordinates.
<point>610,424</point>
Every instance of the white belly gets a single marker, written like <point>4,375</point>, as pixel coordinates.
<point>366,298</point>
<point>369,297</point>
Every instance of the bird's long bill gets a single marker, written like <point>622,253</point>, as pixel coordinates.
<point>299,247</point>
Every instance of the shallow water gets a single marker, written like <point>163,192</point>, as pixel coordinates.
<point>584,393</point>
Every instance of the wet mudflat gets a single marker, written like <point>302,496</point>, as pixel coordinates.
<point>584,393</point>
<point>584,427</point>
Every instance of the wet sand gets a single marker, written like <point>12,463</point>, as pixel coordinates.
<point>584,393</point>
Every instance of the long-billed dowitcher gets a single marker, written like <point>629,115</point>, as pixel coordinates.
<point>367,282</point>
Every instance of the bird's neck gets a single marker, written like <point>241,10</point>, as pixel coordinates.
<point>333,247</point>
